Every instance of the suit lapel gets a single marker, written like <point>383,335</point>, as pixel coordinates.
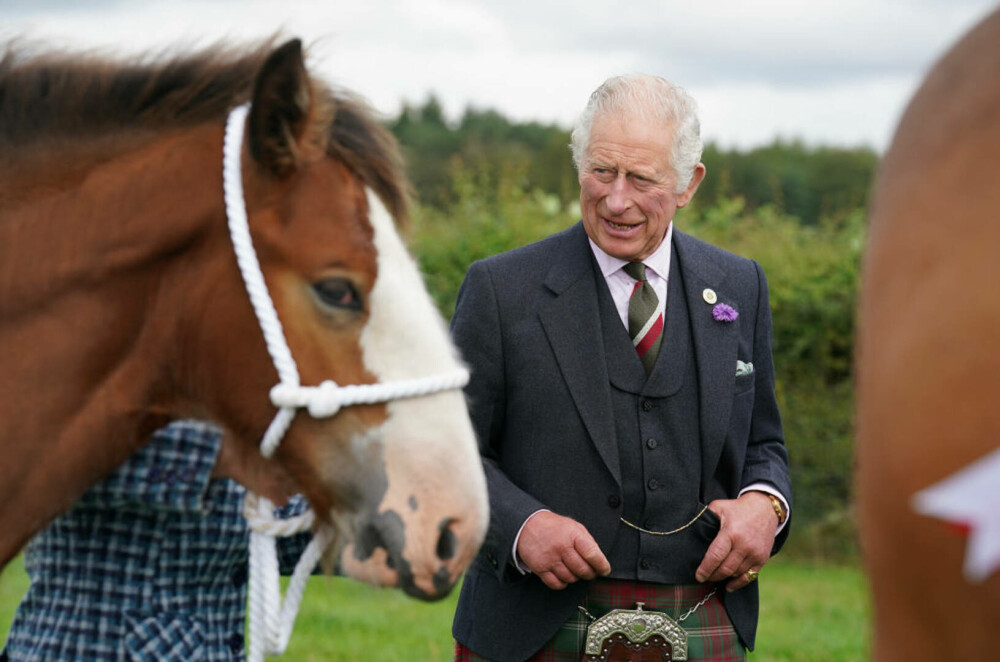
<point>715,346</point>
<point>572,324</point>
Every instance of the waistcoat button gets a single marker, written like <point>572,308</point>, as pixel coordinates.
<point>651,444</point>
<point>614,501</point>
<point>653,484</point>
<point>647,405</point>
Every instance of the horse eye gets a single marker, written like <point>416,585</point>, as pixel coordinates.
<point>337,293</point>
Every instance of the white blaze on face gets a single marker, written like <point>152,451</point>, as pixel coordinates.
<point>405,336</point>
<point>432,461</point>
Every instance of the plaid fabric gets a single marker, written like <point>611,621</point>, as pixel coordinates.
<point>151,564</point>
<point>711,637</point>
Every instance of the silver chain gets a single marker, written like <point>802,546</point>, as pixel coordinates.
<point>699,605</point>
<point>664,533</point>
<point>680,619</point>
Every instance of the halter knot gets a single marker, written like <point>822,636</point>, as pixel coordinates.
<point>321,401</point>
<point>326,401</point>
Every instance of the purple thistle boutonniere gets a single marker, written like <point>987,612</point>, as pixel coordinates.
<point>722,312</point>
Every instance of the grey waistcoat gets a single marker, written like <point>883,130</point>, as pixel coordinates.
<point>656,424</point>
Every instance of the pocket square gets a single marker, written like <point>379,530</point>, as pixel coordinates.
<point>743,368</point>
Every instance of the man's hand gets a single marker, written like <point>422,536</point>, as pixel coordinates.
<point>560,550</point>
<point>744,541</point>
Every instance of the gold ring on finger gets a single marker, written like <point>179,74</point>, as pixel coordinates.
<point>752,575</point>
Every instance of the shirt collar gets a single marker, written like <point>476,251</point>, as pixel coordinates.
<point>659,261</point>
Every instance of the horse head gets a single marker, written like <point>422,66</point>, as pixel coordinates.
<point>122,306</point>
<point>399,482</point>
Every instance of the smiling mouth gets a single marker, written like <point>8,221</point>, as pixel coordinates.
<point>622,227</point>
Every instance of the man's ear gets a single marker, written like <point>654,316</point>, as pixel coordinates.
<point>696,177</point>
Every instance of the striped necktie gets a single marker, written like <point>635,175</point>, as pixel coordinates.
<point>645,321</point>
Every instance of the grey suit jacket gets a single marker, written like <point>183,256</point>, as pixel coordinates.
<point>528,324</point>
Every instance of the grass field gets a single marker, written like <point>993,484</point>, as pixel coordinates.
<point>809,613</point>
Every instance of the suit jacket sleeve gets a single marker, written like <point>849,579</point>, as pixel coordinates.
<point>767,457</point>
<point>477,329</point>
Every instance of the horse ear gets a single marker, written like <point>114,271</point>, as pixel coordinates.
<point>280,108</point>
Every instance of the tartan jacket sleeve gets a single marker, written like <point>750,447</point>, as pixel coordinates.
<point>170,473</point>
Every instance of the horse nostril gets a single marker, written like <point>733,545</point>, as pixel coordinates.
<point>447,543</point>
<point>368,539</point>
<point>385,530</point>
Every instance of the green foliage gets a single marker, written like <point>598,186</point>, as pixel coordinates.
<point>528,155</point>
<point>428,146</point>
<point>809,613</point>
<point>486,218</point>
<point>818,433</point>
<point>809,184</point>
<point>832,538</point>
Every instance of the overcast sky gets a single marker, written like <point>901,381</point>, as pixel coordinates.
<point>833,72</point>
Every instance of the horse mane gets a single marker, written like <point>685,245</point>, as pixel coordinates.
<point>51,99</point>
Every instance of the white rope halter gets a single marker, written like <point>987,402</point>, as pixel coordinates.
<point>271,621</point>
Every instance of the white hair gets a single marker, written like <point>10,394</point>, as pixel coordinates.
<point>648,97</point>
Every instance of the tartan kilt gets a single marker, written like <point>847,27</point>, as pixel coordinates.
<point>711,637</point>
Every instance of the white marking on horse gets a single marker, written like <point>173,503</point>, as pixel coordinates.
<point>420,435</point>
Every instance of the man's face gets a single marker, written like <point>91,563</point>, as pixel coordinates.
<point>627,186</point>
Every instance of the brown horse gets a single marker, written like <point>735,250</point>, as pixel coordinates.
<point>928,377</point>
<point>122,307</point>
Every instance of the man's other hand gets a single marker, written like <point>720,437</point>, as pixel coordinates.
<point>744,540</point>
<point>560,550</point>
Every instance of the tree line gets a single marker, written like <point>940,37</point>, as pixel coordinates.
<point>808,183</point>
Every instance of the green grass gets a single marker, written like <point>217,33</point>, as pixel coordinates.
<point>13,584</point>
<point>809,613</point>
<point>812,613</point>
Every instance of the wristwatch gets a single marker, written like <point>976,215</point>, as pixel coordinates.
<point>779,508</point>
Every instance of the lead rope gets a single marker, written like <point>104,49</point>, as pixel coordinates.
<point>271,620</point>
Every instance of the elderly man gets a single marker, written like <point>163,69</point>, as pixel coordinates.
<point>623,393</point>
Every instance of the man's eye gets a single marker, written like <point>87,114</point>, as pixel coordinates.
<point>338,293</point>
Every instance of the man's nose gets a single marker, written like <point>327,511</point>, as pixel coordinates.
<point>619,198</point>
